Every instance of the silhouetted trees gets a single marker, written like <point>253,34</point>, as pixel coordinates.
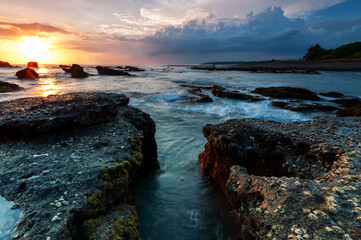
<point>349,51</point>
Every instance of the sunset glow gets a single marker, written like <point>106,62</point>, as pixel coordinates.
<point>35,49</point>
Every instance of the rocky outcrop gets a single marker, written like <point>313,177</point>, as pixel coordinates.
<point>287,93</point>
<point>33,64</point>
<point>288,181</point>
<point>68,162</point>
<point>332,94</point>
<point>76,71</point>
<point>224,93</point>
<point>5,65</point>
<point>27,73</point>
<point>8,87</point>
<point>131,69</point>
<point>111,72</point>
<point>304,107</point>
<point>352,107</point>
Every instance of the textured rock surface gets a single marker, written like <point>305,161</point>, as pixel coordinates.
<point>299,180</point>
<point>8,87</point>
<point>71,162</point>
<point>27,73</point>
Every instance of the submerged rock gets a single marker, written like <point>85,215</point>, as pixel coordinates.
<point>111,72</point>
<point>287,92</point>
<point>332,94</point>
<point>68,161</point>
<point>27,73</point>
<point>297,180</point>
<point>8,87</point>
<point>224,93</point>
<point>304,107</point>
<point>33,64</point>
<point>131,69</point>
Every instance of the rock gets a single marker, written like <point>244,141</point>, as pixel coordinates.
<point>68,160</point>
<point>224,93</point>
<point>8,87</point>
<point>201,98</point>
<point>194,90</point>
<point>111,72</point>
<point>333,94</point>
<point>303,107</point>
<point>64,66</point>
<point>287,92</point>
<point>299,178</point>
<point>131,69</point>
<point>5,65</point>
<point>76,71</point>
<point>33,64</point>
<point>27,73</point>
<point>352,107</point>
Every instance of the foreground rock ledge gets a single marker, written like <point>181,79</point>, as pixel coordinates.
<point>68,160</point>
<point>299,180</point>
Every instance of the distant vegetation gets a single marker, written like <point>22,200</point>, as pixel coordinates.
<point>349,51</point>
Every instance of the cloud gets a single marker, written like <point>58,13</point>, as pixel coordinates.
<point>31,29</point>
<point>266,34</point>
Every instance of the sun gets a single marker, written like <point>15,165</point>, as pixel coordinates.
<point>35,49</point>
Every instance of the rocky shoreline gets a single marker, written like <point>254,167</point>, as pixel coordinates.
<point>298,180</point>
<point>294,67</point>
<point>68,162</point>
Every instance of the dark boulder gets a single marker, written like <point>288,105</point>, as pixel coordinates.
<point>76,71</point>
<point>332,94</point>
<point>64,66</point>
<point>111,72</point>
<point>8,87</point>
<point>287,92</point>
<point>33,64</point>
<point>131,69</point>
<point>224,93</point>
<point>201,98</point>
<point>303,107</point>
<point>27,73</point>
<point>5,64</point>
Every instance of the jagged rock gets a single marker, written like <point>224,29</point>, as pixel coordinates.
<point>303,107</point>
<point>297,180</point>
<point>8,87</point>
<point>68,160</point>
<point>27,73</point>
<point>201,98</point>
<point>352,107</point>
<point>224,93</point>
<point>5,64</point>
<point>33,64</point>
<point>287,92</point>
<point>112,72</point>
<point>333,94</point>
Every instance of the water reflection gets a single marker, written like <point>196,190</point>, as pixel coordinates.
<point>48,86</point>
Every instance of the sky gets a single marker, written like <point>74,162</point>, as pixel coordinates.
<point>172,31</point>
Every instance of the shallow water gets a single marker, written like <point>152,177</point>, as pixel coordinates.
<point>8,219</point>
<point>177,202</point>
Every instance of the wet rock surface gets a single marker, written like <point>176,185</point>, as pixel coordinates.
<point>27,73</point>
<point>304,107</point>
<point>298,180</point>
<point>131,69</point>
<point>224,93</point>
<point>8,87</point>
<point>111,72</point>
<point>71,162</point>
<point>287,92</point>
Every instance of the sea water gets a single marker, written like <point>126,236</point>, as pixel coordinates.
<point>177,201</point>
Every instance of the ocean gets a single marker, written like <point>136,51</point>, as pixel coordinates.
<point>177,202</point>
